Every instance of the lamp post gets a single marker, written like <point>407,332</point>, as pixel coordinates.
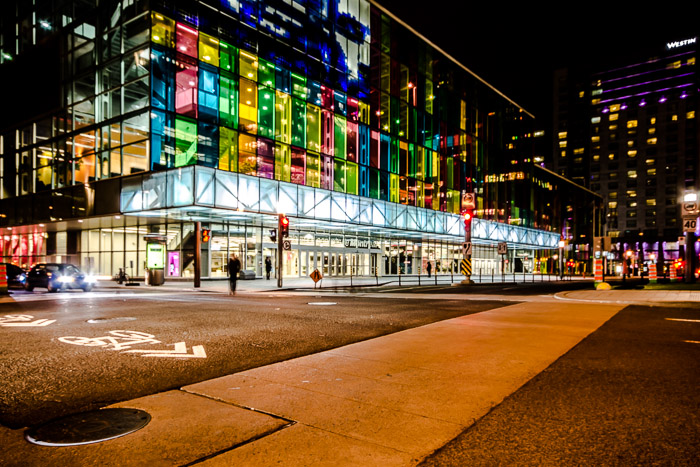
<point>562,243</point>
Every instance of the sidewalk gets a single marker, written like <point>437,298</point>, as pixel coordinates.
<point>387,401</point>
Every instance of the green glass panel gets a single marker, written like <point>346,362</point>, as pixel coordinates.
<point>228,149</point>
<point>340,127</point>
<point>299,89</point>
<point>283,117</point>
<point>339,175</point>
<point>412,165</point>
<point>449,174</point>
<point>374,183</point>
<point>266,73</point>
<point>228,57</point>
<point>185,142</point>
<point>394,159</point>
<point>313,170</point>
<point>266,112</point>
<point>228,101</point>
<point>283,162</point>
<point>298,123</point>
<point>313,128</point>
<point>351,178</point>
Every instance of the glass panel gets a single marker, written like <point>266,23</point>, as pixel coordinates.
<point>248,106</point>
<point>208,49</point>
<point>228,149</point>
<point>228,101</point>
<point>162,30</point>
<point>313,170</point>
<point>228,57</point>
<point>283,117</point>
<point>247,158</point>
<point>340,150</point>
<point>298,174</point>
<point>283,162</point>
<point>313,128</point>
<point>186,40</point>
<point>186,88</point>
<point>185,142</point>
<point>266,112</point>
<point>248,65</point>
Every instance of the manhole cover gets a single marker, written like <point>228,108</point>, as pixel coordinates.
<point>104,320</point>
<point>88,427</point>
<point>323,303</point>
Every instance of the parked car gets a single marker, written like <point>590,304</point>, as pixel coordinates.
<point>58,276</point>
<point>16,276</point>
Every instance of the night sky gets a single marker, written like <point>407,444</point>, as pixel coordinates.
<point>517,49</point>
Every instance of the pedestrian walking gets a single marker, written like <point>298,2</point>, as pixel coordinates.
<point>234,267</point>
<point>268,267</point>
<point>429,268</point>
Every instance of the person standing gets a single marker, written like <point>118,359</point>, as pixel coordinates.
<point>268,267</point>
<point>429,268</point>
<point>234,267</point>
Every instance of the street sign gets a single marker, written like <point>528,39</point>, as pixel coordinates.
<point>316,275</point>
<point>466,267</point>
<point>466,248</point>
<point>502,248</point>
<point>287,245</point>
<point>690,224</point>
<point>468,201</point>
<point>689,208</point>
<point>681,241</point>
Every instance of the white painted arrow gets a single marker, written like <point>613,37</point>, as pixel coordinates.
<point>39,322</point>
<point>180,351</point>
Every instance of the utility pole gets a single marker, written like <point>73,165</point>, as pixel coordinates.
<point>197,254</point>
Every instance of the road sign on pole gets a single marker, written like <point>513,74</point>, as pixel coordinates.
<point>502,248</point>
<point>466,248</point>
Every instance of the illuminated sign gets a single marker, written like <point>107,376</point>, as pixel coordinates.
<point>673,45</point>
<point>155,255</point>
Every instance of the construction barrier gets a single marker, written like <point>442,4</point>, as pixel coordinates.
<point>598,272</point>
<point>652,272</point>
<point>672,271</point>
<point>3,278</point>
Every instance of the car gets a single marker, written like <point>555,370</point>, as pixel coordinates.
<point>16,276</point>
<point>58,276</point>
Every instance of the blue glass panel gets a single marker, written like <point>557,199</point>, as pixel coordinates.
<point>207,144</point>
<point>208,97</point>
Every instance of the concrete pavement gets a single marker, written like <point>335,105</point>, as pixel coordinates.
<point>387,401</point>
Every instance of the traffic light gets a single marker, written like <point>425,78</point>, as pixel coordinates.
<point>273,235</point>
<point>206,235</point>
<point>284,226</point>
<point>468,216</point>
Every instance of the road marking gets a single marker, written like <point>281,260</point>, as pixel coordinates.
<point>323,303</point>
<point>685,320</point>
<point>23,321</point>
<point>180,351</point>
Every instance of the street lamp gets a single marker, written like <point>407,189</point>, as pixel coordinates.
<point>561,258</point>
<point>627,265</point>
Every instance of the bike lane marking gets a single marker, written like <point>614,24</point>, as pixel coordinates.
<point>23,321</point>
<point>123,340</point>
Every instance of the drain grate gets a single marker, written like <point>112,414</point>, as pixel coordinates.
<point>88,427</point>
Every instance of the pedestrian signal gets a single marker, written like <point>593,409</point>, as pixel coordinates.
<point>206,235</point>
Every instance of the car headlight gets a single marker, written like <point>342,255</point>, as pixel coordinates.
<point>66,279</point>
<point>21,278</point>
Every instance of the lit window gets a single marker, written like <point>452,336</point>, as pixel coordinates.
<point>612,204</point>
<point>632,174</point>
<point>595,120</point>
<point>581,94</point>
<point>578,160</point>
<point>632,153</point>
<point>652,121</point>
<point>578,151</point>
<point>562,144</point>
<point>612,127</point>
<point>631,194</point>
<point>650,161</point>
<point>562,135</point>
<point>632,124</point>
<point>676,64</point>
<point>539,134</point>
<point>690,115</point>
<point>651,141</point>
<point>630,144</point>
<point>651,171</point>
<point>652,131</point>
<point>563,154</point>
<point>595,101</point>
<point>611,157</point>
<point>614,117</point>
<point>595,139</point>
<point>615,108</point>
<point>691,61</point>
<point>674,118</point>
<point>651,202</point>
<point>596,157</point>
<point>612,195</point>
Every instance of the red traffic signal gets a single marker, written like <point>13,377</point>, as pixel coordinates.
<point>284,226</point>
<point>206,235</point>
<point>468,216</point>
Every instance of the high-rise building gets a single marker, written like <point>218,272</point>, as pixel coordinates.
<point>135,121</point>
<point>630,134</point>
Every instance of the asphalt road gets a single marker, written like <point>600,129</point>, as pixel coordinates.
<point>69,352</point>
<point>626,395</point>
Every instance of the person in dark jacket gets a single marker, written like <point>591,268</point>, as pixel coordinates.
<point>268,267</point>
<point>234,267</point>
<point>429,268</point>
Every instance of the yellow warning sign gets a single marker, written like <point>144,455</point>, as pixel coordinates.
<point>466,267</point>
<point>316,275</point>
